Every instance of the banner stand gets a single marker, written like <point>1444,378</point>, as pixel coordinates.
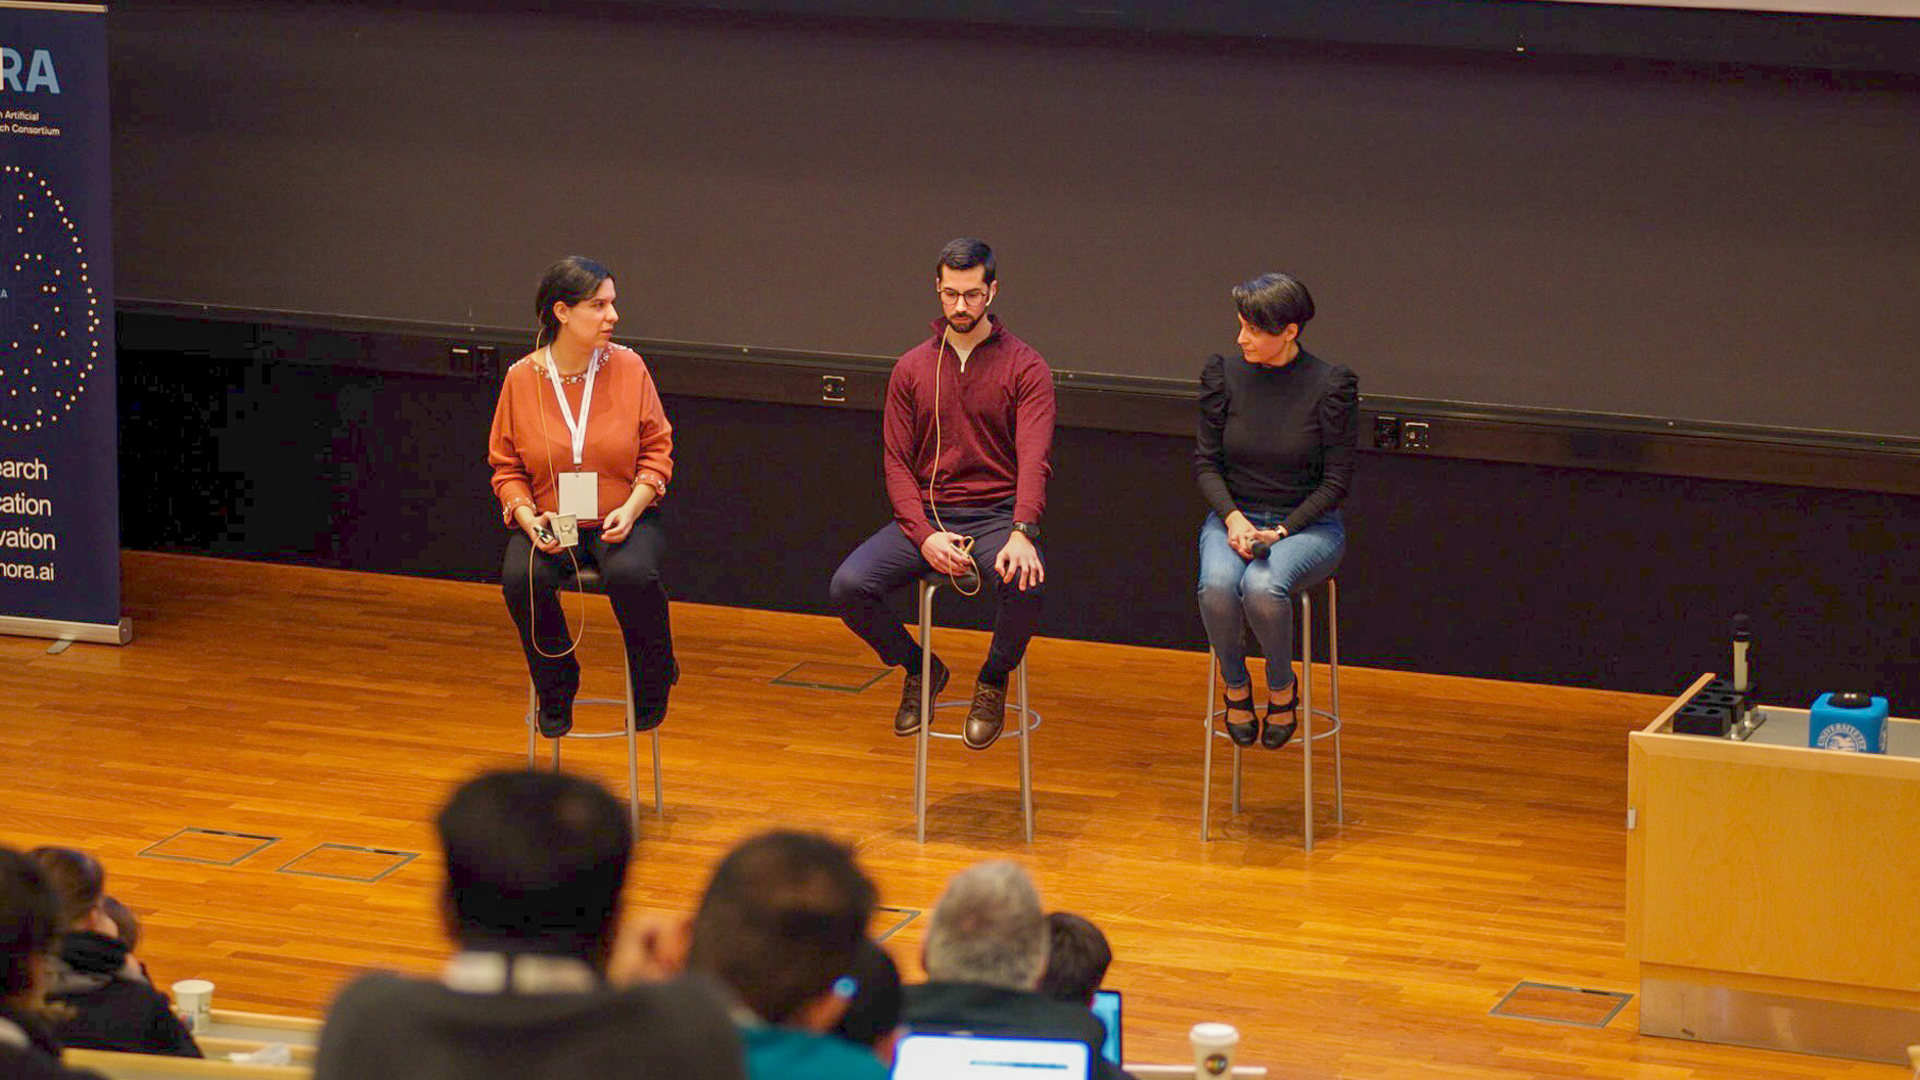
<point>120,633</point>
<point>59,421</point>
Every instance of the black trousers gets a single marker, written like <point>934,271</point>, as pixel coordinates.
<point>631,573</point>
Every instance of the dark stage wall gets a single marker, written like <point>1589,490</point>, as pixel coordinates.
<point>1583,234</point>
<point>1722,244</point>
<point>1457,567</point>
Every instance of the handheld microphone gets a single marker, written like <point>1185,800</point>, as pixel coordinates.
<point>1259,548</point>
<point>1742,641</point>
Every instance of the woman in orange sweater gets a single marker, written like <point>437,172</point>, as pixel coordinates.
<point>579,431</point>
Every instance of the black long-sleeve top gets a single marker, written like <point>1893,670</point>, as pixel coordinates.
<point>1277,440</point>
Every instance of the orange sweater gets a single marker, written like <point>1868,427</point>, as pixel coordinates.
<point>628,438</point>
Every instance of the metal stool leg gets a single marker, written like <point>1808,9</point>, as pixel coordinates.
<point>533,731</point>
<point>1237,764</point>
<point>533,728</point>
<point>1333,683</point>
<point>1306,712</point>
<point>633,754</point>
<point>659,797</point>
<point>1236,777</point>
<point>633,749</point>
<point>1026,760</point>
<point>1206,774</point>
<point>926,711</point>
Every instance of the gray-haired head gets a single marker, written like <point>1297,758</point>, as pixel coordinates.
<point>988,929</point>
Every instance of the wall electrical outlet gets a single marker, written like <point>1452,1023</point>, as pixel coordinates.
<point>1386,432</point>
<point>1416,435</point>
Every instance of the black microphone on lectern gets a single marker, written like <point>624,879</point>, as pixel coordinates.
<point>1742,642</point>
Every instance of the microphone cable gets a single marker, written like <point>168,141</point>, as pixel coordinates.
<point>933,471</point>
<point>533,631</point>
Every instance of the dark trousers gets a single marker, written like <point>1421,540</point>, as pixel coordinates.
<point>888,561</point>
<point>630,571</point>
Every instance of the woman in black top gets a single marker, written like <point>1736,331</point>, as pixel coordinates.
<point>1275,454</point>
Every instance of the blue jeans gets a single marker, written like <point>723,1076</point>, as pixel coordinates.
<point>1258,593</point>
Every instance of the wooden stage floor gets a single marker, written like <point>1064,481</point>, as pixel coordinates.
<point>1484,845</point>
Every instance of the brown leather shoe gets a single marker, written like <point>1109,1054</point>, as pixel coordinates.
<point>986,716</point>
<point>907,720</point>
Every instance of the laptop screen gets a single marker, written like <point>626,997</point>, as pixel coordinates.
<point>1106,1006</point>
<point>979,1057</point>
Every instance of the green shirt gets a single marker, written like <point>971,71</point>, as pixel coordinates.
<point>777,1053</point>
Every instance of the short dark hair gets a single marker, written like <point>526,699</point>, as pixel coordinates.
<point>965,253</point>
<point>76,877</point>
<point>535,860</point>
<point>1077,958</point>
<point>570,281</point>
<point>124,921</point>
<point>1271,301</point>
<point>875,1009</point>
<point>781,920</point>
<point>29,922</point>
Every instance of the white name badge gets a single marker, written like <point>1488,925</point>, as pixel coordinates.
<point>580,494</point>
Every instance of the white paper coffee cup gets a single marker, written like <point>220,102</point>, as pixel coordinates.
<point>193,997</point>
<point>1213,1046</point>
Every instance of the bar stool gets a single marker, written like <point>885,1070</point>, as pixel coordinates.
<point>589,581</point>
<point>1303,739</point>
<point>1029,720</point>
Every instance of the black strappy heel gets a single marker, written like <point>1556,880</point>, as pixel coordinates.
<point>1242,734</point>
<point>1274,736</point>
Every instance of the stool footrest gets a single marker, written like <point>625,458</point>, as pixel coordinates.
<point>1320,723</point>
<point>1025,721</point>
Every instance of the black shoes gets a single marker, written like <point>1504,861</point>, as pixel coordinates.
<point>1274,735</point>
<point>556,720</point>
<point>907,720</point>
<point>650,697</point>
<point>1242,734</point>
<point>986,716</point>
<point>650,692</point>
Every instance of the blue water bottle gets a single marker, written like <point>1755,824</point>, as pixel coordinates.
<point>1848,721</point>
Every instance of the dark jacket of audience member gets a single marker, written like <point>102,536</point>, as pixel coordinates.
<point>111,1010</point>
<point>985,951</point>
<point>780,925</point>
<point>29,925</point>
<point>535,863</point>
<point>111,1005</point>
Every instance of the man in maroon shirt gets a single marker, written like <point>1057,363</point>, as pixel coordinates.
<point>968,428</point>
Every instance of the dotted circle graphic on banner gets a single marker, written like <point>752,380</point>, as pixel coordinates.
<point>50,320</point>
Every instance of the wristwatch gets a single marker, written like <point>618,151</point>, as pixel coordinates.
<point>1030,531</point>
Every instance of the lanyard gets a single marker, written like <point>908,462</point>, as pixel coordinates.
<point>577,430</point>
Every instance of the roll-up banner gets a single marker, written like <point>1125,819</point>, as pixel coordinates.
<point>59,444</point>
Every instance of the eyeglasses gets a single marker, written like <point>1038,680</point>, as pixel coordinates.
<point>972,297</point>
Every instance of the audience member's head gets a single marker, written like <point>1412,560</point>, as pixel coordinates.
<point>80,882</point>
<point>29,924</point>
<point>535,863</point>
<point>126,925</point>
<point>1077,958</point>
<point>781,923</point>
<point>874,1012</point>
<point>988,929</point>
